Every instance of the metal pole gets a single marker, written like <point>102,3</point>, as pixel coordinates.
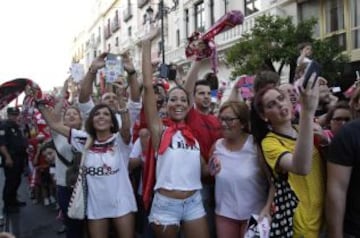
<point>162,31</point>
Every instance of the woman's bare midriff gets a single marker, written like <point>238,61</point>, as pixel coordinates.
<point>177,194</point>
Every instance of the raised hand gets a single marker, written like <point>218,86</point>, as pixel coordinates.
<point>127,62</point>
<point>99,62</point>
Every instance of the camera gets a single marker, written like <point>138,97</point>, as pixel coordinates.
<point>167,71</point>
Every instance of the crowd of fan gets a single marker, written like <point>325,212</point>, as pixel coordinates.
<point>161,159</point>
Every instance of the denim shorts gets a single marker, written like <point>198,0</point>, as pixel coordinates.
<point>171,211</point>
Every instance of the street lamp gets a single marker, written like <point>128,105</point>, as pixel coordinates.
<point>163,10</point>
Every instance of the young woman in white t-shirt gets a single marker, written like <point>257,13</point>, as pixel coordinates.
<point>110,197</point>
<point>177,200</point>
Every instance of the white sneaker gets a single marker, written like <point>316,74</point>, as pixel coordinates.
<point>46,202</point>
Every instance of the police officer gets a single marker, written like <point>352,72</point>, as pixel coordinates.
<point>13,150</point>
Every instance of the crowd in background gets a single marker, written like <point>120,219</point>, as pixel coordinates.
<point>162,160</point>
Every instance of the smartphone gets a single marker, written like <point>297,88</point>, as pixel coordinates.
<point>113,67</point>
<point>164,71</point>
<point>357,75</point>
<point>312,67</point>
<point>335,89</point>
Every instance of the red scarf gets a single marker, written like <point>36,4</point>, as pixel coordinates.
<point>172,128</point>
<point>150,161</point>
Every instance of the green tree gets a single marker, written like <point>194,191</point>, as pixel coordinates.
<point>273,44</point>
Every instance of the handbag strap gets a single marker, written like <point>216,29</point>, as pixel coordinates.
<point>62,158</point>
<point>88,144</point>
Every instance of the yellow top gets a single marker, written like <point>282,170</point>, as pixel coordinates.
<point>310,189</point>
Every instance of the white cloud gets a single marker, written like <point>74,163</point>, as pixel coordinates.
<point>36,38</point>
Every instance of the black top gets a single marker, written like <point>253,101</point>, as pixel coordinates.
<point>345,150</point>
<point>12,138</point>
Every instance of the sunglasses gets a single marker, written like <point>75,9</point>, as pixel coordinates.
<point>228,119</point>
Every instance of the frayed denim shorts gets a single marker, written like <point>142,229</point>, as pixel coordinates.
<point>171,211</point>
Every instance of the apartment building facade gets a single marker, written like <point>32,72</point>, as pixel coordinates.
<point>119,26</point>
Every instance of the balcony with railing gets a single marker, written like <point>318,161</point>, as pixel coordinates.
<point>107,33</point>
<point>141,3</point>
<point>225,39</point>
<point>127,13</point>
<point>115,24</point>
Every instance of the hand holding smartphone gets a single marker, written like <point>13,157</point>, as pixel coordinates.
<point>312,67</point>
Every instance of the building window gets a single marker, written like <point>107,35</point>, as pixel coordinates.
<point>177,37</point>
<point>308,10</point>
<point>99,34</point>
<point>129,31</point>
<point>334,17</point>
<point>109,25</point>
<point>251,6</point>
<point>355,23</point>
<point>212,12</point>
<point>117,41</point>
<point>109,47</point>
<point>200,16</point>
<point>95,54</point>
<point>144,19</point>
<point>187,22</point>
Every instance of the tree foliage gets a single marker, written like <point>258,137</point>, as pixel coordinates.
<point>273,44</point>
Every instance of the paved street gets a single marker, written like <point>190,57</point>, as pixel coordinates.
<point>33,221</point>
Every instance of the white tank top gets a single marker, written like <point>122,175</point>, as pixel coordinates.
<point>179,167</point>
<point>240,186</point>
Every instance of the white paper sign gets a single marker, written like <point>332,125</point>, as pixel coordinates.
<point>77,72</point>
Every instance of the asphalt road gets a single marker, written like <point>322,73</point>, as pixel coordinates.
<point>33,220</point>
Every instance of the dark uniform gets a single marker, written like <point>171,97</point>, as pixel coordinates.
<point>12,138</point>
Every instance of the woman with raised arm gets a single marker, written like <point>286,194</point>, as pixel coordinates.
<point>177,199</point>
<point>289,151</point>
<point>67,155</point>
<point>110,197</point>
